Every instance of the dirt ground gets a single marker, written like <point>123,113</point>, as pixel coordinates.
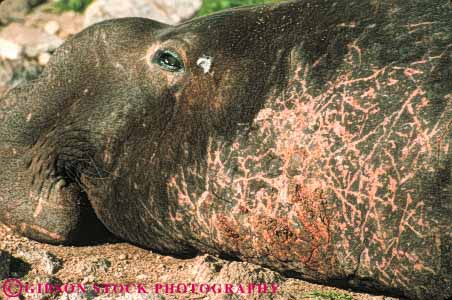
<point>121,263</point>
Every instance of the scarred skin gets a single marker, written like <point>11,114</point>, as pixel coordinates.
<point>317,143</point>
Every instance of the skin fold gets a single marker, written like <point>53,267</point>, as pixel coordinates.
<point>311,137</point>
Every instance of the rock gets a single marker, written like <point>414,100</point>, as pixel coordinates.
<point>15,72</point>
<point>102,264</point>
<point>10,50</point>
<point>242,272</point>
<point>141,277</point>
<point>63,25</point>
<point>88,279</point>
<point>52,27</point>
<point>209,269</point>
<point>14,10</point>
<point>45,262</point>
<point>93,266</point>
<point>170,12</point>
<point>5,260</point>
<point>44,58</point>
<point>32,40</point>
<point>70,24</point>
<point>3,89</point>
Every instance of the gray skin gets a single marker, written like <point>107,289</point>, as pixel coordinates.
<point>311,137</point>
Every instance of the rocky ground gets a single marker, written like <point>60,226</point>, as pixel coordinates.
<point>122,263</point>
<point>27,42</point>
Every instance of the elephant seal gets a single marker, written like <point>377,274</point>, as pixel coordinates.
<point>311,137</point>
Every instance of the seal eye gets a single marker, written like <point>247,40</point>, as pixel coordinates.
<point>169,60</point>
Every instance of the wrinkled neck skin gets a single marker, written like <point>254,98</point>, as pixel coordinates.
<point>319,147</point>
